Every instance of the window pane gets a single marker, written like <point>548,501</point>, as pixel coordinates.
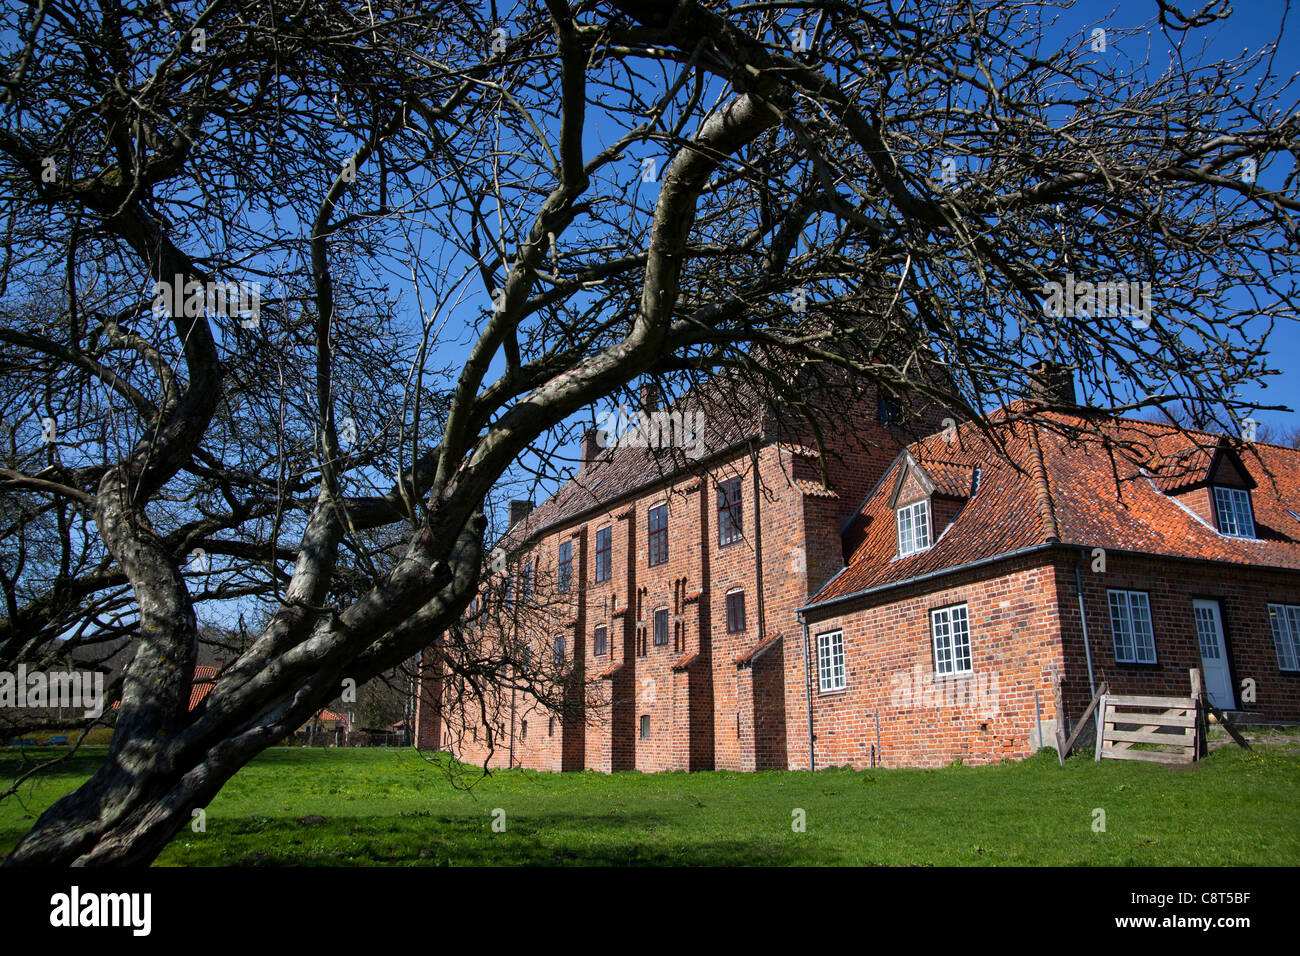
<point>1286,634</point>
<point>1119,626</point>
<point>904,531</point>
<point>1293,628</point>
<point>730,524</point>
<point>913,528</point>
<point>960,639</point>
<point>735,612</point>
<point>1207,631</point>
<point>661,626</point>
<point>1143,639</point>
<point>1233,508</point>
<point>942,627</point>
<point>830,661</point>
<point>604,553</point>
<point>564,571</point>
<point>658,535</point>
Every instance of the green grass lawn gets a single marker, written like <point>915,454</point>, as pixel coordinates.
<point>387,807</point>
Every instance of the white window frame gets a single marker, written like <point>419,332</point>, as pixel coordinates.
<point>1285,619</point>
<point>1233,513</point>
<point>832,675</point>
<point>916,518</point>
<point>1131,630</point>
<point>950,640</point>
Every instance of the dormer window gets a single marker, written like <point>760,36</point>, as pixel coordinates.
<point>913,528</point>
<point>1232,508</point>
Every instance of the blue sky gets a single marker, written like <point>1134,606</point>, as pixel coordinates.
<point>1252,25</point>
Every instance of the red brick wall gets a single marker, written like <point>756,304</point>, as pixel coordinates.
<point>1171,585</point>
<point>1197,500</point>
<point>925,720</point>
<point>705,710</point>
<point>428,702</point>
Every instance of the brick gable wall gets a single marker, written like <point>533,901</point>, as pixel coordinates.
<point>1171,586</point>
<point>924,720</point>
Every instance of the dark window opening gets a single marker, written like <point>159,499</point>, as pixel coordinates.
<point>735,612</point>
<point>564,570</point>
<point>658,526</point>
<point>604,553</point>
<point>661,626</point>
<point>888,409</point>
<point>730,522</point>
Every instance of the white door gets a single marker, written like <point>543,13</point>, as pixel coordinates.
<point>1214,654</point>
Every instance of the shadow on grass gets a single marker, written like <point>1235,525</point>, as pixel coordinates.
<point>444,839</point>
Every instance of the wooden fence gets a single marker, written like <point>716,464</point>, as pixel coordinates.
<point>1168,729</point>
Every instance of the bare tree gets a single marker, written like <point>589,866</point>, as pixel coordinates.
<point>465,232</point>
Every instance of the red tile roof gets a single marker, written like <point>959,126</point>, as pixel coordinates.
<point>732,413</point>
<point>205,678</point>
<point>757,650</point>
<point>814,489</point>
<point>1104,490</point>
<point>685,661</point>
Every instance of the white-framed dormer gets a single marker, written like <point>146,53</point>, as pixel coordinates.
<point>1213,485</point>
<point>1233,514</point>
<point>912,522</point>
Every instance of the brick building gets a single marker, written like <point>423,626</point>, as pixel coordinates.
<point>914,603</point>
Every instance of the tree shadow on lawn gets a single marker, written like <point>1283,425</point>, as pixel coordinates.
<point>533,839</point>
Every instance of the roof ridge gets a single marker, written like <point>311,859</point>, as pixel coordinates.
<point>1042,488</point>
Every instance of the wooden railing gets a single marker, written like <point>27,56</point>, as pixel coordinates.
<point>1169,724</point>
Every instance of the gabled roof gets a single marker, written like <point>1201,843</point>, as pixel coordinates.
<point>1105,490</point>
<point>952,479</point>
<point>1180,462</point>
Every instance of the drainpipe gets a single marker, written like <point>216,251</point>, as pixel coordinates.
<point>758,547</point>
<point>807,690</point>
<point>1083,619</point>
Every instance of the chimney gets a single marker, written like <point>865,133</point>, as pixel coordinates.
<point>519,510</point>
<point>1052,383</point>
<point>589,449</point>
<point>650,397</point>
